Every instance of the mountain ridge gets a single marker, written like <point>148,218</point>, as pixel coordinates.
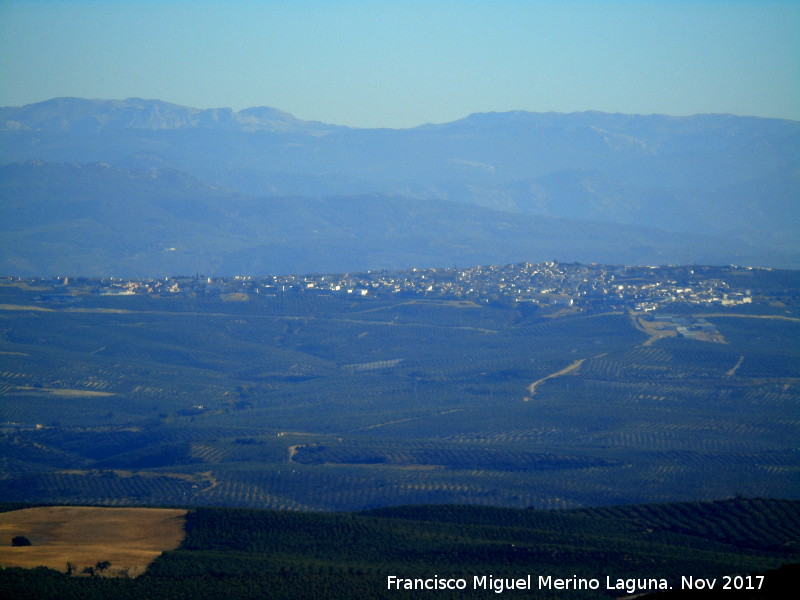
<point>94,115</point>
<point>255,114</point>
<point>733,179</point>
<point>101,220</point>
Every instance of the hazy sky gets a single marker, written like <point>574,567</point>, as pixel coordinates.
<point>404,63</point>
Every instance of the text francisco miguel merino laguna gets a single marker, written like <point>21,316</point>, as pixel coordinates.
<point>548,582</point>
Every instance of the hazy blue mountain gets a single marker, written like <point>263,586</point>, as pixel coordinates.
<point>78,115</point>
<point>735,178</point>
<point>100,220</point>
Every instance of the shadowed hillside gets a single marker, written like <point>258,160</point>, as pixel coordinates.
<point>248,554</point>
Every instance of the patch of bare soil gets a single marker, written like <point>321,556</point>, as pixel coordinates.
<point>63,392</point>
<point>82,536</point>
<point>655,330</point>
<point>568,369</point>
<point>732,371</point>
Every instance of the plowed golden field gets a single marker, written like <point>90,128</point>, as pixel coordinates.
<point>129,538</point>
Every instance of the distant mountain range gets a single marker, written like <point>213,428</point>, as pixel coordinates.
<point>111,187</point>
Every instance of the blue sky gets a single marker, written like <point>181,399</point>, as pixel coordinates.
<point>404,63</point>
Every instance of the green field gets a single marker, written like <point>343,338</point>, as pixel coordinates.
<point>309,402</point>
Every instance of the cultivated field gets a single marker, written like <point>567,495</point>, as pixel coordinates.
<point>300,401</point>
<point>241,554</point>
<point>129,538</point>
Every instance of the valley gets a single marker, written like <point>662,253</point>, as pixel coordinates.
<point>305,397</point>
